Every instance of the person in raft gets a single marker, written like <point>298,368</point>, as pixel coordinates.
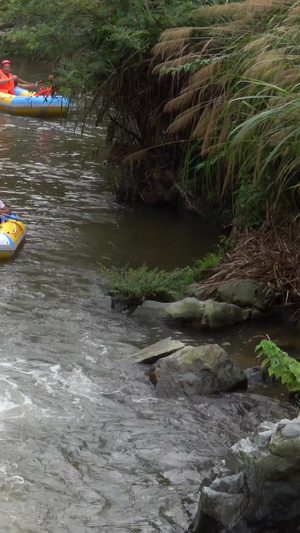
<point>4,210</point>
<point>46,89</point>
<point>9,80</point>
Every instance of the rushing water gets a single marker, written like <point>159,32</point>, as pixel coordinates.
<point>86,446</point>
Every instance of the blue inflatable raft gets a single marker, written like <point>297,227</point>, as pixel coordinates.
<point>27,104</point>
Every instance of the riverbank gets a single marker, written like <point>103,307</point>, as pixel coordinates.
<point>270,255</point>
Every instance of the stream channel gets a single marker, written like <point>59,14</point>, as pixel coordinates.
<point>86,446</point>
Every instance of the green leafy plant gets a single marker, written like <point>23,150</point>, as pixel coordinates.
<point>203,266</point>
<point>250,203</point>
<point>138,285</point>
<point>100,38</point>
<point>210,261</point>
<point>279,364</point>
<point>187,67</point>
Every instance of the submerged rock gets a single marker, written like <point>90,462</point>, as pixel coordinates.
<point>257,489</point>
<point>197,370</point>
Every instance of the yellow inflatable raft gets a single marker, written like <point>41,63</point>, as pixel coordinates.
<point>12,233</point>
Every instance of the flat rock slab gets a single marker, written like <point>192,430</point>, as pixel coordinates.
<point>156,351</point>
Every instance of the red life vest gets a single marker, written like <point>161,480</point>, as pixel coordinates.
<point>9,86</point>
<point>44,91</point>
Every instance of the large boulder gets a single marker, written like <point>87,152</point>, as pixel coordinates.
<point>246,293</point>
<point>257,489</point>
<point>197,370</point>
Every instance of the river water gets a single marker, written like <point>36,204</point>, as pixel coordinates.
<point>86,446</point>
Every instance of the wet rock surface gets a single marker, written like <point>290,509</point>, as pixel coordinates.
<point>208,314</point>
<point>257,489</point>
<point>246,293</point>
<point>197,370</point>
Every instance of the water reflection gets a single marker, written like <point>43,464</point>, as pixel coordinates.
<point>9,136</point>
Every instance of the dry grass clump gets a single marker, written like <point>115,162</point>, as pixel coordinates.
<point>235,79</point>
<point>270,255</point>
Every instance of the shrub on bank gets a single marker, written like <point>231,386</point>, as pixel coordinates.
<point>138,285</point>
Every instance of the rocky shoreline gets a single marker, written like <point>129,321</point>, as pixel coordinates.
<point>234,301</point>
<point>255,489</point>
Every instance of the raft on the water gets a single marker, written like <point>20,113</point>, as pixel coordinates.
<point>26,103</point>
<point>12,233</point>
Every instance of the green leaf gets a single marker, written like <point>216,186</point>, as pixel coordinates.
<point>282,366</point>
<point>265,363</point>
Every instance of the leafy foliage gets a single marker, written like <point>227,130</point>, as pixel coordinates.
<point>223,95</point>
<point>143,284</point>
<point>249,203</point>
<point>279,364</point>
<point>102,52</point>
<point>137,285</point>
<point>204,267</point>
<point>89,38</point>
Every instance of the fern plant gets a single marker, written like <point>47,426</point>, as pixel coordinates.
<point>279,364</point>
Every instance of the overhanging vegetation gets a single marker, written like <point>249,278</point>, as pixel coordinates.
<point>204,113</point>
